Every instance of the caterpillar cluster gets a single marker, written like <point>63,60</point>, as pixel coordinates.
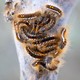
<point>33,30</point>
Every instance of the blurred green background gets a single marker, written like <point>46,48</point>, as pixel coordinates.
<point>9,65</point>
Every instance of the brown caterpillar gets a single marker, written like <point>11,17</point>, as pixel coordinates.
<point>33,30</point>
